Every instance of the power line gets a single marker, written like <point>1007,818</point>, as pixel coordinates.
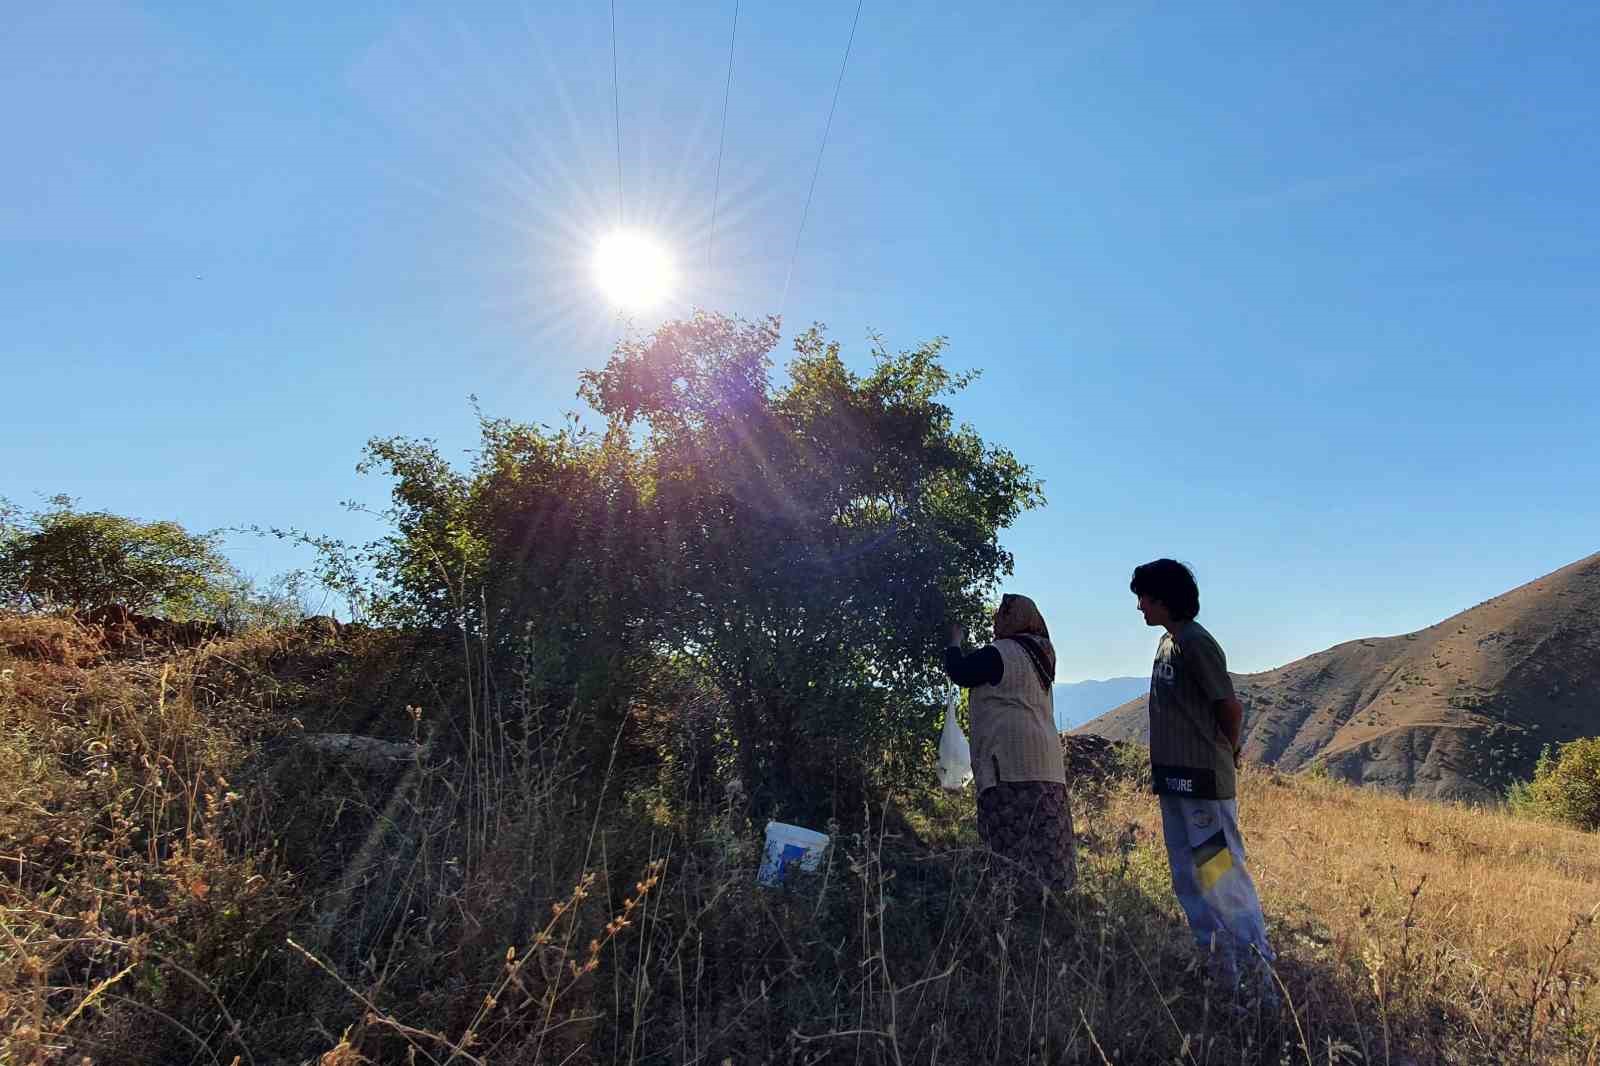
<point>616,107</point>
<point>806,212</point>
<point>722,137</point>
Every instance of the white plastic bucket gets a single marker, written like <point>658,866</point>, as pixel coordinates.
<point>788,846</point>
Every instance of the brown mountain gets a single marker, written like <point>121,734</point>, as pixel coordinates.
<point>1456,710</point>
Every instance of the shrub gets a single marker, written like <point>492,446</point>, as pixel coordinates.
<point>63,557</point>
<point>1565,785</point>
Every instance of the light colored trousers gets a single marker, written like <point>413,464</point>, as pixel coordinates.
<point>1206,854</point>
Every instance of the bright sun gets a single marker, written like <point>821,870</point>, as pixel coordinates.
<point>633,270</point>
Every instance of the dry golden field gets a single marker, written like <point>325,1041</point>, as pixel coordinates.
<point>168,895</point>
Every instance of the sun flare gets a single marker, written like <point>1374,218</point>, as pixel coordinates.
<point>633,270</point>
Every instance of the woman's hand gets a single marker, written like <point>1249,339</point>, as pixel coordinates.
<point>957,635</point>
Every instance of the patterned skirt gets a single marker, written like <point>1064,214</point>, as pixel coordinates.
<point>1030,824</point>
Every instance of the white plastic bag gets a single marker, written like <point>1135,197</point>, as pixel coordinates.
<point>955,755</point>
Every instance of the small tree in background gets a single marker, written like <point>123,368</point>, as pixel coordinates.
<point>238,603</point>
<point>1565,785</point>
<point>63,557</point>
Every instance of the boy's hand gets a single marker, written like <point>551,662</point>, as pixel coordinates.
<point>957,635</point>
<point>1230,724</point>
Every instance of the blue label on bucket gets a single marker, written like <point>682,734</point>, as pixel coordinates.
<point>788,846</point>
<point>776,865</point>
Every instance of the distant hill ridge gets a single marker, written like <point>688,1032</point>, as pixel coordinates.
<point>1079,701</point>
<point>1456,710</point>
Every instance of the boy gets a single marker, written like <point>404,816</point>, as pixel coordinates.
<point>1195,724</point>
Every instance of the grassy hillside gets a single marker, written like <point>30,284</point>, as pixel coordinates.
<point>1456,710</point>
<point>185,877</point>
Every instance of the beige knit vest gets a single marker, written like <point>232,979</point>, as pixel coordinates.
<point>1014,725</point>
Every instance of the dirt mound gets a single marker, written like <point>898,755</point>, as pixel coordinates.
<point>1088,757</point>
<point>122,626</point>
<point>322,626</point>
<point>50,639</point>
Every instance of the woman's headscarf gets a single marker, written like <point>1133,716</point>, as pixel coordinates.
<point>1019,619</point>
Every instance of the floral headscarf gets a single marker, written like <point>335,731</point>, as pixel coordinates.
<point>1019,619</point>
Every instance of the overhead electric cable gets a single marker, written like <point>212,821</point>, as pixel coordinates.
<point>716,185</point>
<point>806,211</point>
<point>616,107</point>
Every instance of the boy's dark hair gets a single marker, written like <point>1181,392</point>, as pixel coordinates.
<point>1170,582</point>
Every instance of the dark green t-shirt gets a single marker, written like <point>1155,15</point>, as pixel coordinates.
<point>1189,756</point>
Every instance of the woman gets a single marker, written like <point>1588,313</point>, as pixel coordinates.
<point>1023,812</point>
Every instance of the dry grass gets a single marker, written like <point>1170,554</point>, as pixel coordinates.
<point>1499,888</point>
<point>1443,924</point>
<point>501,900</point>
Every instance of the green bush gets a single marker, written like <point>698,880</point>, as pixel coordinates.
<point>61,557</point>
<point>1565,785</point>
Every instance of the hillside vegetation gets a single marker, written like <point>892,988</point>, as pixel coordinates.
<point>1458,710</point>
<point>191,872</point>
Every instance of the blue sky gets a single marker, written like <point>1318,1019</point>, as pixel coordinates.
<point>1304,297</point>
